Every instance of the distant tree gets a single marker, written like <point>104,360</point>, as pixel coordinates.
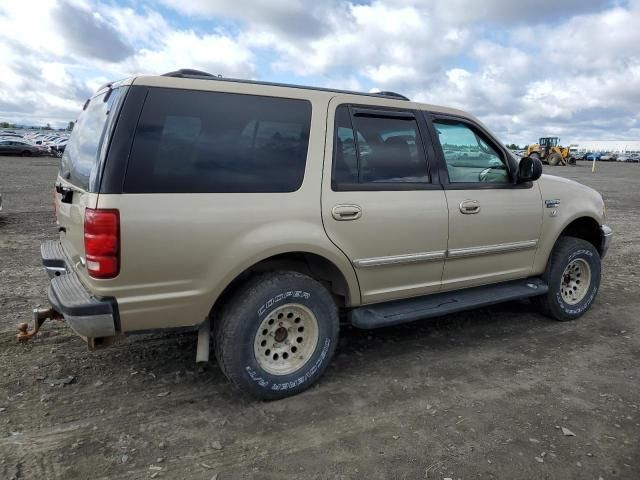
<point>48,127</point>
<point>5,125</point>
<point>70,126</point>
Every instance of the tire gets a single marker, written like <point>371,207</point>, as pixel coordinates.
<point>565,299</point>
<point>555,159</point>
<point>26,153</point>
<point>257,339</point>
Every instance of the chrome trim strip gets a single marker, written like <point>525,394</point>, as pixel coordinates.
<point>399,259</point>
<point>441,255</point>
<point>491,249</point>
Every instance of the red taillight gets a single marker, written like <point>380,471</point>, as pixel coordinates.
<point>102,242</point>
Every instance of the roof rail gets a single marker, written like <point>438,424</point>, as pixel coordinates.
<point>387,93</point>
<point>199,74</point>
<point>190,72</point>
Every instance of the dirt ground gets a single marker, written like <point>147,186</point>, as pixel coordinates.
<point>482,394</point>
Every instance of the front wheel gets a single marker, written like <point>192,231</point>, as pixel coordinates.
<point>555,159</point>
<point>276,335</point>
<point>573,275</point>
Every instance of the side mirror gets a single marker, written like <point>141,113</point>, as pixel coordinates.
<point>530,169</point>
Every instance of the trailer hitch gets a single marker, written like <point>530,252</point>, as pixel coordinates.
<point>40,315</point>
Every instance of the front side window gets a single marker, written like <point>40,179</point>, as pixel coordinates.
<point>207,142</point>
<point>469,158</point>
<point>383,150</point>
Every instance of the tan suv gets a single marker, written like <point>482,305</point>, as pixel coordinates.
<point>269,214</point>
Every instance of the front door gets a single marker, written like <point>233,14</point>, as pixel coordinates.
<point>381,204</point>
<point>494,224</point>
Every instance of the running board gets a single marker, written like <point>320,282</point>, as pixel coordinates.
<point>438,304</point>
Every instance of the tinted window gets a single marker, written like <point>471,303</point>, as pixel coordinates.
<point>192,141</point>
<point>384,150</point>
<point>80,158</point>
<point>468,156</point>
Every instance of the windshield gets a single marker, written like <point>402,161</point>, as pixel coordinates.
<point>85,147</point>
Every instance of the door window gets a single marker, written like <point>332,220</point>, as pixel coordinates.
<point>214,142</point>
<point>383,150</point>
<point>469,157</point>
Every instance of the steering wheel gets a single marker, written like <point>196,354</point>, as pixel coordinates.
<point>483,176</point>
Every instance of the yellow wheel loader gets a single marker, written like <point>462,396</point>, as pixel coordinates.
<point>548,151</point>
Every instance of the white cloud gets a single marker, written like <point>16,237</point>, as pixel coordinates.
<point>566,67</point>
<point>215,53</point>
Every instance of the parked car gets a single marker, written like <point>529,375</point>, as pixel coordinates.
<point>241,208</point>
<point>591,156</point>
<point>608,157</point>
<point>21,147</point>
<point>57,147</point>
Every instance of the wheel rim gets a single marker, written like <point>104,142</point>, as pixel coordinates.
<point>575,281</point>
<point>286,339</point>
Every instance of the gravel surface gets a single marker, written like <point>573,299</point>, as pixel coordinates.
<point>500,392</point>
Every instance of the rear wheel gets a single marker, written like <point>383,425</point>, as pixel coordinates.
<point>573,276</point>
<point>555,159</point>
<point>275,337</point>
<point>26,153</point>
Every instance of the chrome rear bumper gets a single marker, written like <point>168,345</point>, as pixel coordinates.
<point>88,316</point>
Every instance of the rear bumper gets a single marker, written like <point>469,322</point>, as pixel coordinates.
<point>607,234</point>
<point>88,316</point>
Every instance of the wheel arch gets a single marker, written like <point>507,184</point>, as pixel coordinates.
<point>585,227</point>
<point>342,285</point>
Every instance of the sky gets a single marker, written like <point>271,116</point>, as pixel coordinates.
<point>526,68</point>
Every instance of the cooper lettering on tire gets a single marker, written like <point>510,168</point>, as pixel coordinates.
<point>276,335</point>
<point>573,275</point>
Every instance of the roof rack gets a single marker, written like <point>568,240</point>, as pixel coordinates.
<point>200,75</point>
<point>387,93</point>
<point>190,72</point>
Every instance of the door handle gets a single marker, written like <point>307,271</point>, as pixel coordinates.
<point>469,207</point>
<point>346,212</point>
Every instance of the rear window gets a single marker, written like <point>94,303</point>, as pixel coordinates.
<point>204,142</point>
<point>80,161</point>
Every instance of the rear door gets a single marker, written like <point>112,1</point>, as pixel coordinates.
<point>381,204</point>
<point>77,184</point>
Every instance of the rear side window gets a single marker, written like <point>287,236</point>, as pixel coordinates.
<point>375,149</point>
<point>205,142</point>
<point>80,161</point>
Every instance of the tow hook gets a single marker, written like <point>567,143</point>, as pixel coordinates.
<point>40,315</point>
